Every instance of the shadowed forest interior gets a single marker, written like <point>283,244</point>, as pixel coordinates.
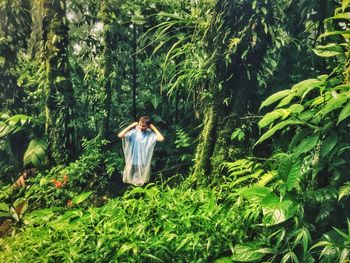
<point>252,98</point>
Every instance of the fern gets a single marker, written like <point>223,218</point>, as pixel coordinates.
<point>324,194</point>
<point>243,170</point>
<point>266,178</point>
<point>344,191</point>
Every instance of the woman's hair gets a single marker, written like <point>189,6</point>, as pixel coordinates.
<point>145,119</point>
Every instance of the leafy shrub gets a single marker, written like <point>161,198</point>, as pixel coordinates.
<point>151,224</point>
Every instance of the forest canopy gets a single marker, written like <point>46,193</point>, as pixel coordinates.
<point>253,100</point>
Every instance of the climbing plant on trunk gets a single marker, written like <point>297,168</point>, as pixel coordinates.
<point>225,50</point>
<point>60,100</point>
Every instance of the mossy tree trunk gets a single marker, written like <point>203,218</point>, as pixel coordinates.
<point>105,10</point>
<point>207,139</point>
<point>60,102</point>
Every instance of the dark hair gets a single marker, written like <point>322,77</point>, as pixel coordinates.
<point>146,120</point>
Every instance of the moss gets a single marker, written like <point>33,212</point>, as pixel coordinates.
<point>207,142</point>
<point>60,101</point>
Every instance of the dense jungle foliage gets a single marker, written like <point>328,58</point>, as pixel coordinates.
<point>252,97</point>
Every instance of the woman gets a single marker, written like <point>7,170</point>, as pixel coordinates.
<point>139,139</point>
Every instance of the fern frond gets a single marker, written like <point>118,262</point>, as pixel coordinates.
<point>324,194</point>
<point>266,178</point>
<point>344,191</point>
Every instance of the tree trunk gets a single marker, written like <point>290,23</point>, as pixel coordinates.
<point>207,141</point>
<point>134,72</point>
<point>105,10</point>
<point>107,89</point>
<point>60,102</point>
<point>233,92</point>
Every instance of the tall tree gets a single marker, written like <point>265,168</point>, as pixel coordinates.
<point>226,49</point>
<point>239,73</point>
<point>105,11</point>
<point>60,102</point>
<point>134,70</point>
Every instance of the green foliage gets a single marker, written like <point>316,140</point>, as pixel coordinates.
<point>313,115</point>
<point>35,153</point>
<point>14,124</point>
<point>344,191</point>
<point>335,246</point>
<point>182,139</point>
<point>249,252</point>
<point>81,197</point>
<point>155,223</point>
<point>216,52</point>
<point>20,124</point>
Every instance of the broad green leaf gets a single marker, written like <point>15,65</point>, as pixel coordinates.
<point>254,194</point>
<point>345,4</point>
<point>329,50</point>
<point>81,197</point>
<point>337,32</point>
<point>307,144</point>
<point>285,101</point>
<point>302,86</point>
<point>319,100</point>
<point>271,117</point>
<point>296,108</point>
<point>345,16</point>
<point>345,113</point>
<point>328,144</point>
<point>334,103</point>
<point>35,153</point>
<point>307,115</point>
<point>249,252</point>
<point>323,77</point>
<point>19,119</point>
<point>298,137</point>
<point>276,211</point>
<point>294,175</point>
<point>342,88</point>
<point>275,97</point>
<point>276,128</point>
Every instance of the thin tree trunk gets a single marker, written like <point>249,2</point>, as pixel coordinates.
<point>60,101</point>
<point>109,44</point>
<point>134,72</point>
<point>207,141</point>
<point>107,54</point>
